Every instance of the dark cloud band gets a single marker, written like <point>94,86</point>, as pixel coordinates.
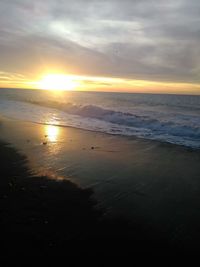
<point>142,39</point>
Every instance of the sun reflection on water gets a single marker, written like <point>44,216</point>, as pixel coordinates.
<point>52,133</point>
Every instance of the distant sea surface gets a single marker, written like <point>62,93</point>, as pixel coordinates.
<point>167,118</point>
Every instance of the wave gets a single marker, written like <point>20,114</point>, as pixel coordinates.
<point>182,125</point>
<point>182,129</point>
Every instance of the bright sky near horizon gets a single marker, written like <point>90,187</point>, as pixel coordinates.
<point>103,45</point>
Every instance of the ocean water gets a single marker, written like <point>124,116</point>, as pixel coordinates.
<point>167,118</point>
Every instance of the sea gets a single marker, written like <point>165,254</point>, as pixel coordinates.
<point>163,117</point>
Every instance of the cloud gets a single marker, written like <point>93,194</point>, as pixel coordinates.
<point>139,39</point>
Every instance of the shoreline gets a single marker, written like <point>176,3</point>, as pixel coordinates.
<point>142,191</point>
<point>126,137</point>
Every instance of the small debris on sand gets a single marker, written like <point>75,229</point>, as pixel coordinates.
<point>92,147</point>
<point>44,143</point>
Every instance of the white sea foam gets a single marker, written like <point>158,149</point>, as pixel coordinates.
<point>177,123</point>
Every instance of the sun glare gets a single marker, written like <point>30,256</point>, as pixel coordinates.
<point>52,133</point>
<point>57,82</point>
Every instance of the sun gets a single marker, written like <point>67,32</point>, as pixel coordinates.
<point>57,82</point>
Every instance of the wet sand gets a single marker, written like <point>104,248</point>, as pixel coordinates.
<point>141,190</point>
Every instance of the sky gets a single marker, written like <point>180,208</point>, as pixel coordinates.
<point>108,45</point>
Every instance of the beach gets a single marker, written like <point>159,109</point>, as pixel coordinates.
<point>113,188</point>
<point>99,132</point>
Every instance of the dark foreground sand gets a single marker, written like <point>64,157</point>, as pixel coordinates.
<point>50,214</point>
<point>40,216</point>
<point>38,211</point>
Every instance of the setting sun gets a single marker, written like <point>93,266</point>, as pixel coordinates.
<point>58,82</point>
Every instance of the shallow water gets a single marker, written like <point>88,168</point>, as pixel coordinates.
<point>153,184</point>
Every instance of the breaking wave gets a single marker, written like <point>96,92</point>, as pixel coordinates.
<point>177,128</point>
